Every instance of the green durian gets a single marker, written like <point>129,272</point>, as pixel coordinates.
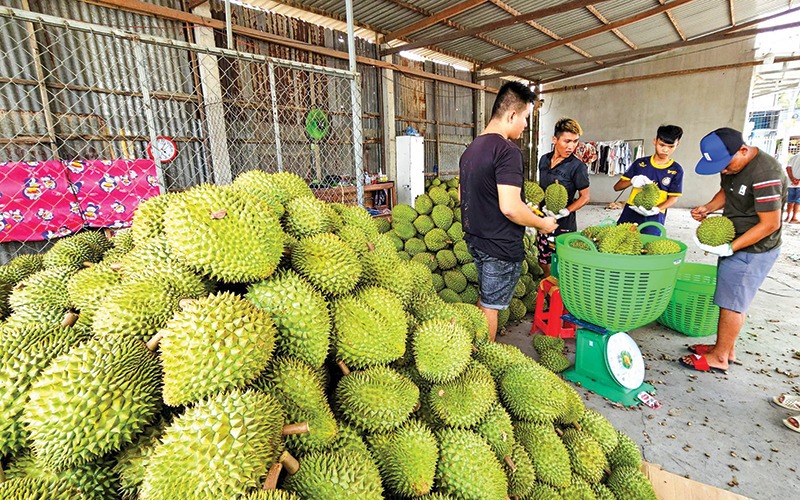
<point>406,458</point>
<point>662,246</point>
<point>343,476</point>
<point>403,212</point>
<point>423,204</point>
<point>533,192</point>
<point>597,426</point>
<point>441,349</point>
<point>148,218</point>
<point>630,483</point>
<point>262,185</point>
<point>555,197</point>
<point>464,401</point>
<point>328,263</point>
<point>467,467</point>
<point>547,452</point>
<point>715,231</point>
<point>586,456</point>
<point>376,399</point>
<point>306,216</point>
<point>648,197</point>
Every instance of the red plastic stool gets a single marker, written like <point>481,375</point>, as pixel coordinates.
<point>549,322</point>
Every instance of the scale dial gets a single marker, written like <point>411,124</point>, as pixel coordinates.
<point>624,360</point>
<point>167,149</point>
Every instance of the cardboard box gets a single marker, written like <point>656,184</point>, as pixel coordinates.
<point>671,486</point>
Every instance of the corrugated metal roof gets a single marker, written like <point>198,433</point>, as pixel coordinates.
<point>694,19</point>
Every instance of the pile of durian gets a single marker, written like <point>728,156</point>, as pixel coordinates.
<point>624,239</point>
<point>252,342</point>
<point>430,233</point>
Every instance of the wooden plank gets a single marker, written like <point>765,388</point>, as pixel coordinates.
<point>668,485</point>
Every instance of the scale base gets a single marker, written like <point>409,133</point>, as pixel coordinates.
<point>616,393</point>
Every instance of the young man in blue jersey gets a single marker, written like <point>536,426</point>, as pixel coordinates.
<point>660,169</point>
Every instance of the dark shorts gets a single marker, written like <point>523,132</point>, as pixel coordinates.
<point>546,244</point>
<point>739,276</point>
<point>629,215</point>
<point>794,194</point>
<point>497,279</point>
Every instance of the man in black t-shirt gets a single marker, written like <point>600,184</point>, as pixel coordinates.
<point>493,212</point>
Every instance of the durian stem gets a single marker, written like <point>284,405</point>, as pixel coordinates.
<point>559,432</point>
<point>271,482</point>
<point>88,264</point>
<point>289,463</point>
<point>343,367</point>
<point>370,246</point>
<point>416,407</point>
<point>577,426</point>
<point>298,428</point>
<point>115,266</point>
<point>510,462</point>
<point>474,349</point>
<point>69,319</point>
<point>184,302</point>
<point>152,344</point>
<point>2,475</point>
<point>219,214</point>
<point>19,286</point>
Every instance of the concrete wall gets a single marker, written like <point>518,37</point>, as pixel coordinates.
<point>698,102</point>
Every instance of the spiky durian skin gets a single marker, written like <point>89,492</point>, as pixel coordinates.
<point>542,491</point>
<point>272,495</point>
<point>219,448</point>
<point>307,216</point>
<point>89,287</point>
<point>303,332</point>
<point>532,393</point>
<point>328,263</point>
<point>516,310</point>
<point>423,204</point>
<point>406,458</point>
<point>362,336</point>
<point>439,195</point>
<point>225,235</point>
<point>349,440</point>
<point>132,462</point>
<point>648,197</point>
<point>520,480</point>
<point>467,467</point>
<point>714,231</point>
<point>577,489</point>
<point>533,192</point>
<point>148,218</point>
<point>499,357</point>
<point>555,197</point>
<point>382,267</point>
<point>376,399</point>
<point>601,492</point>
<point>630,483</point>
<point>554,361</point>
<point>69,252</point>
<point>548,453</point>
<point>574,406</point>
<point>480,325</point>
<point>37,488</point>
<point>403,212</point>
<point>464,401</point>
<point>42,297</point>
<point>662,247</point>
<point>545,342</point>
<point>214,344</point>
<point>442,216</point>
<point>95,480</point>
<point>586,456</point>
<point>441,349</point>
<point>137,309</point>
<point>92,400</point>
<point>329,475</point>
<point>260,184</point>
<point>24,354</point>
<point>450,296</point>
<point>292,185</point>
<point>26,264</point>
<point>497,430</point>
<point>626,453</point>
<point>296,386</point>
<point>598,426</point>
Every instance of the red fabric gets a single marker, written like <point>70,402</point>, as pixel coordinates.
<point>43,200</point>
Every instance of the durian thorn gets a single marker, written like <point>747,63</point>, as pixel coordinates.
<point>474,349</point>
<point>510,462</point>
<point>289,463</point>
<point>183,303</point>
<point>69,319</point>
<point>115,266</point>
<point>559,432</point>
<point>219,214</point>
<point>152,344</point>
<point>343,367</point>
<point>271,482</point>
<point>298,428</point>
<point>19,286</point>
<point>88,263</point>
<point>370,246</point>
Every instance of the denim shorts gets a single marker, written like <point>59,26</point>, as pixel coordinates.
<point>497,279</point>
<point>739,276</point>
<point>794,194</point>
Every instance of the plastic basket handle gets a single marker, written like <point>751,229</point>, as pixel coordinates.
<point>660,227</point>
<point>570,237</point>
<point>608,221</point>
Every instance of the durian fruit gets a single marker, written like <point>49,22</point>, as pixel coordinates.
<point>263,186</point>
<point>446,259</point>
<point>464,401</point>
<point>577,489</point>
<point>213,344</point>
<point>647,198</point>
<point>496,428</point>
<point>328,263</point>
<point>339,475</point>
<point>554,361</point>
<point>272,495</point>
<point>534,193</point>
<point>356,239</point>
<point>546,342</point>
<point>520,472</point>
<point>437,239</point>
<point>148,218</point>
<point>382,225</point>
<point>601,492</point>
<point>376,399</point>
<point>88,288</point>
<point>94,480</point>
<point>220,233</point>
<point>303,331</point>
<point>291,185</point>
<point>661,246</point>
<point>219,448</point>
<point>295,385</point>
<point>450,296</point>
<point>403,212</point>
<point>306,216</point>
<point>597,426</point>
<point>715,231</point>
<point>531,392</point>
<point>423,224</point>
<point>456,231</point>
<point>363,336</point>
<point>38,488</point>
<point>470,271</point>
<point>626,453</point>
<point>586,456</point>
<point>382,267</point>
<point>441,349</point>
<point>502,318</point>
<point>442,216</point>
<point>516,310</point>
<point>406,458</point>
<point>542,491</point>
<point>499,357</point>
<point>42,297</point>
<point>622,239</point>
<point>439,196</point>
<point>69,252</point>
<point>455,280</point>
<point>415,246</point>
<point>360,218</point>
<point>24,353</point>
<point>548,453</point>
<point>421,277</point>
<point>479,323</point>
<point>574,407</point>
<point>349,440</point>
<point>630,482</point>
<point>467,466</point>
<point>91,401</point>
<point>132,462</point>
<point>404,230</point>
<point>423,204</point>
<point>555,197</point>
<point>462,253</point>
<point>16,270</point>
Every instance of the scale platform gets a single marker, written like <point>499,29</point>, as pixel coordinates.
<point>607,363</point>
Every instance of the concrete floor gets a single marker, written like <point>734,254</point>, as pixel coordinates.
<point>719,429</point>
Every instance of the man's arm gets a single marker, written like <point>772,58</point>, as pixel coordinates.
<point>518,212</point>
<point>622,183</point>
<point>582,200</point>
<point>717,202</point>
<point>768,223</point>
<point>671,200</point>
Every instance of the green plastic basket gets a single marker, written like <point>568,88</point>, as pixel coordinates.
<point>691,310</point>
<point>617,292</point>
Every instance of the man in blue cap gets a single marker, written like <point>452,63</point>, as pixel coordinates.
<point>753,189</point>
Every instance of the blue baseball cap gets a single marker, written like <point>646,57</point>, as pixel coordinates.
<point>718,149</point>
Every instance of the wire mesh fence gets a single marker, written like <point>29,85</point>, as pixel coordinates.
<point>83,94</point>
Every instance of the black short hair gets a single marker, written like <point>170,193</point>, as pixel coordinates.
<point>512,95</point>
<point>669,134</point>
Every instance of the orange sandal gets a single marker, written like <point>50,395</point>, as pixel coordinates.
<point>793,423</point>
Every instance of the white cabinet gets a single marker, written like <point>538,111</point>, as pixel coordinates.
<point>410,168</point>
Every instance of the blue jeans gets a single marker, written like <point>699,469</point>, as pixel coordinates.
<point>496,279</point>
<point>739,277</point>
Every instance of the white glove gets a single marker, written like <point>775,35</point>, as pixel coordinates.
<point>562,213</point>
<point>723,250</point>
<point>643,211</point>
<point>640,181</point>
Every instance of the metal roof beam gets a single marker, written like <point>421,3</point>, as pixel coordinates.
<point>596,31</point>
<point>433,19</point>
<point>602,18</point>
<point>732,12</point>
<point>549,11</point>
<point>674,21</point>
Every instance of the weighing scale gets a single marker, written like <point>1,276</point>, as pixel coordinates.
<point>609,364</point>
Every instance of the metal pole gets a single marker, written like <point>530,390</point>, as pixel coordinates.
<point>138,54</point>
<point>355,98</point>
<point>275,125</point>
<point>228,24</point>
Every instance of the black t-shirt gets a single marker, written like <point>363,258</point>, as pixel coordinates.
<point>571,173</point>
<point>490,160</point>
